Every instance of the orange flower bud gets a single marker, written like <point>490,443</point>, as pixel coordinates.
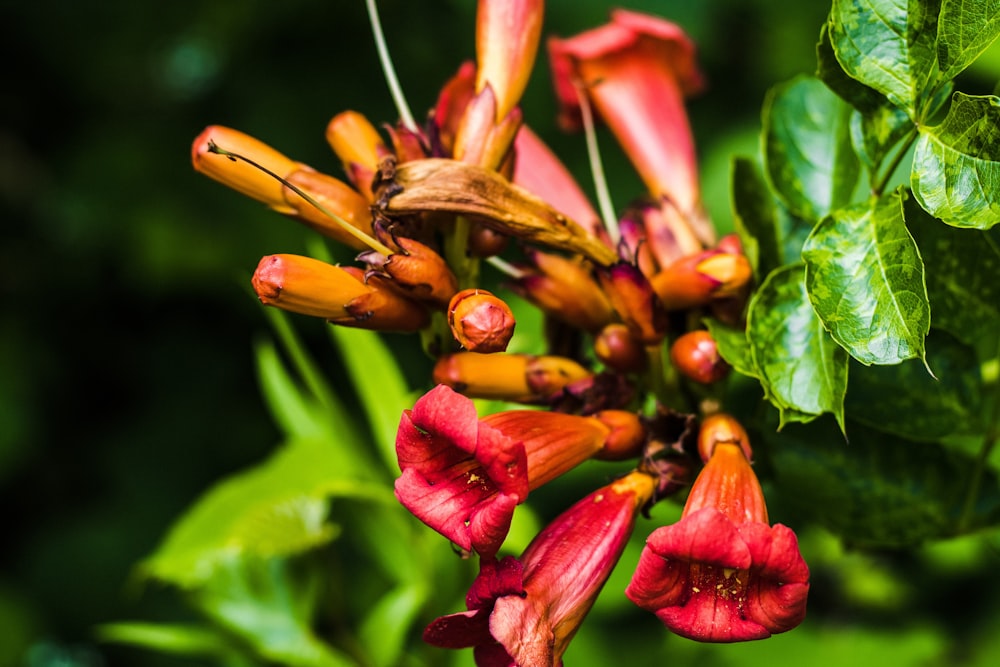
<point>480,321</point>
<point>384,308</point>
<point>618,349</point>
<point>310,287</point>
<point>696,355</point>
<point>512,377</point>
<point>416,269</point>
<point>305,285</point>
<point>565,289</point>
<point>337,197</point>
<point>721,428</point>
<point>627,436</point>
<point>359,146</point>
<point>699,279</point>
<point>547,374</point>
<point>240,175</point>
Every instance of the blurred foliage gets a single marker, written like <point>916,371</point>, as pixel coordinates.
<point>128,337</point>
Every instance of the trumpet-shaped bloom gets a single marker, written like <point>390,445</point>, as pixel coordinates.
<point>721,573</point>
<point>524,612</point>
<point>636,71</point>
<point>463,476</point>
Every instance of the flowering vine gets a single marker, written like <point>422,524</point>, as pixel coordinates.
<point>630,372</point>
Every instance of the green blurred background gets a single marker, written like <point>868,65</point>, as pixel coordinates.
<point>126,375</point>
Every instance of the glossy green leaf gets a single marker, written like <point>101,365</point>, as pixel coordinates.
<point>956,165</point>
<point>808,156</point>
<point>829,71</point>
<point>733,346</point>
<point>875,133</point>
<point>866,281</point>
<point>966,28</point>
<point>376,378</point>
<point>278,508</point>
<point>754,216</point>
<point>888,45</point>
<point>802,370</point>
<point>905,400</point>
<point>270,606</point>
<point>963,275</point>
<point>878,490</point>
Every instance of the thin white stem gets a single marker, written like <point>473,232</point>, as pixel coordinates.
<point>388,70</point>
<point>597,168</point>
<point>505,267</point>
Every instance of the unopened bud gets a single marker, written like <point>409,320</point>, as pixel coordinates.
<point>696,355</point>
<point>415,268</point>
<point>310,287</point>
<point>480,321</point>
<point>698,279</point>
<point>335,196</point>
<point>240,175</point>
<point>565,289</point>
<point>633,298</point>
<point>627,436</point>
<point>721,428</point>
<point>359,146</point>
<point>306,286</point>
<point>512,377</point>
<point>618,349</point>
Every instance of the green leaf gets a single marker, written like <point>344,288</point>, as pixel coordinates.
<point>866,280</point>
<point>906,401</point>
<point>175,638</point>
<point>808,156</point>
<point>278,508</point>
<point>387,625</point>
<point>270,608</point>
<point>879,491</point>
<point>888,45</point>
<point>754,216</point>
<point>966,28</point>
<point>802,370</point>
<point>956,165</point>
<point>378,381</point>
<point>874,133</point>
<point>733,346</point>
<point>829,71</point>
<point>297,413</point>
<point>963,276</point>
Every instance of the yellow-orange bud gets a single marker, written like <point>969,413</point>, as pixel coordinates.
<point>240,175</point>
<point>305,285</point>
<point>512,377</point>
<point>721,428</point>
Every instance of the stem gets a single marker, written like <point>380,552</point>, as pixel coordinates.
<point>908,140</point>
<point>405,117</point>
<point>597,168</point>
<point>347,227</point>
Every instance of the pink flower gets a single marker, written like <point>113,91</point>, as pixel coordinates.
<point>721,573</point>
<point>636,71</point>
<point>523,612</point>
<point>463,476</point>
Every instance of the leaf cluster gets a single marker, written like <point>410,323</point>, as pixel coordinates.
<point>871,224</point>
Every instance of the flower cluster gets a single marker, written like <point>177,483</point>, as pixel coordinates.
<point>623,299</point>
